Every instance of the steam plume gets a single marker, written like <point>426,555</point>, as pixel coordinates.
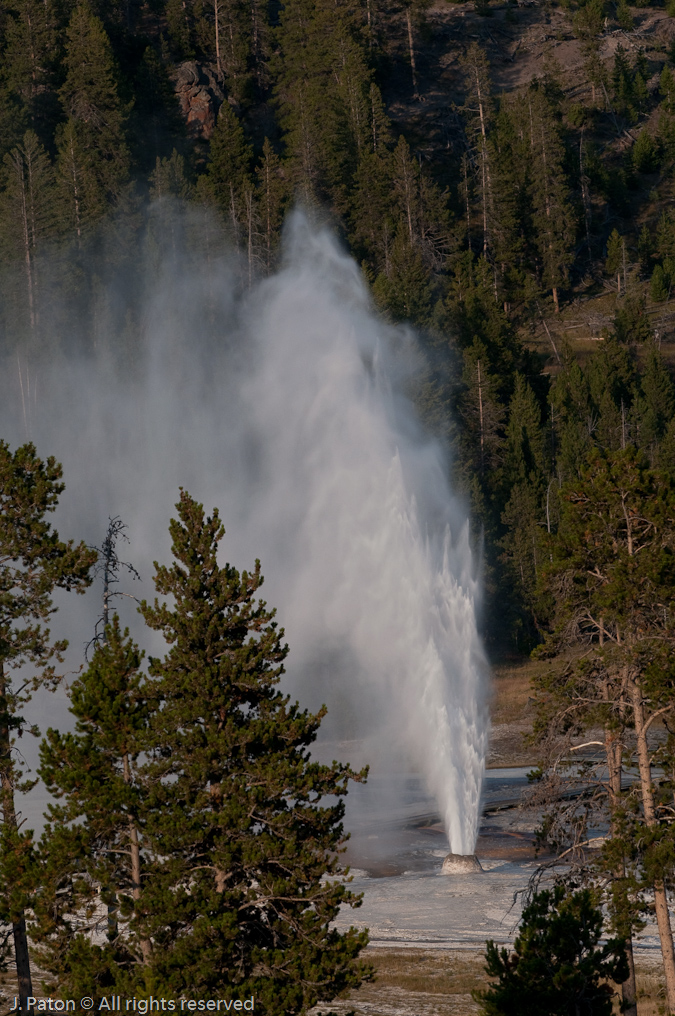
<point>285,409</point>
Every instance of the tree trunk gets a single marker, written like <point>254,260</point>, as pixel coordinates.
<point>135,851</point>
<point>480,417</point>
<point>216,16</point>
<point>660,898</point>
<point>412,52</point>
<point>485,162</point>
<point>20,936</point>
<point>613,749</point>
<point>585,197</point>
<point>465,170</point>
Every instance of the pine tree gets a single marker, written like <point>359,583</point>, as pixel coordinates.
<point>90,850</point>
<point>509,159</point>
<point>169,178</point>
<point>525,442</point>
<point>482,414</point>
<point>667,88</point>
<point>626,101</point>
<point>480,109</point>
<point>572,413</point>
<point>610,581</point>
<point>624,16</point>
<point>242,845</point>
<point>522,545</point>
<point>659,285</point>
<point>33,562</point>
<point>323,95</point>
<point>27,214</point>
<point>272,194</point>
<point>658,395</point>
<point>29,59</point>
<point>224,32</point>
<point>552,213</point>
<point>228,174</point>
<point>93,158</point>
<point>616,257</point>
<point>371,217</point>
<point>559,965</point>
<point>414,12</point>
<point>404,287</point>
<point>181,28</point>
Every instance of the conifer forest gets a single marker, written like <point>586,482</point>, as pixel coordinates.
<point>503,172</point>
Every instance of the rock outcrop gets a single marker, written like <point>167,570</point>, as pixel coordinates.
<point>200,94</point>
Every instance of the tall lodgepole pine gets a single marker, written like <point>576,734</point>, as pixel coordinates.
<point>27,213</point>
<point>612,576</point>
<point>33,562</point>
<point>552,214</point>
<point>242,889</point>
<point>92,152</point>
<point>480,113</point>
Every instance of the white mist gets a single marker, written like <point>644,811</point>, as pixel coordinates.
<point>295,425</point>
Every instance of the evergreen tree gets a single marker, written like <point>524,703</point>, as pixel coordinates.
<point>29,60</point>
<point>552,213</point>
<point>558,967</point>
<point>667,88</point>
<point>616,257</point>
<point>523,552</point>
<point>93,158</point>
<point>509,159</point>
<point>27,214</point>
<point>90,850</point>
<point>631,323</point>
<point>480,110</point>
<point>33,562</point>
<point>242,845</point>
<point>403,288</point>
<point>610,581</point>
<point>169,178</point>
<point>525,443</point>
<point>625,93</point>
<point>371,216</point>
<point>223,31</point>
<point>414,12</point>
<point>323,93</point>
<point>658,394</point>
<point>228,175</point>
<point>483,416</point>
<point>181,28</point>
<point>572,413</point>
<point>659,285</point>
<point>624,16</point>
<point>272,196</point>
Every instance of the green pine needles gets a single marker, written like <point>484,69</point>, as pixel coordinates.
<point>198,848</point>
<point>559,966</point>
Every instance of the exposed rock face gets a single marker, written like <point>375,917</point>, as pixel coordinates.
<point>460,864</point>
<point>200,95</point>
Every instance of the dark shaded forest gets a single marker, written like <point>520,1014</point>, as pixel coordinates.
<point>501,172</point>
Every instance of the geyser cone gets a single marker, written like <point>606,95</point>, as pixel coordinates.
<point>460,864</point>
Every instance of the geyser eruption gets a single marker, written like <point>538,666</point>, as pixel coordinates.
<point>356,508</point>
<point>296,426</point>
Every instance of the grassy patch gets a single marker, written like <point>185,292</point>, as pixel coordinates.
<point>437,973</point>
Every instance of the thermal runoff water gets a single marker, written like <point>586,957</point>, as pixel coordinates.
<point>287,408</point>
